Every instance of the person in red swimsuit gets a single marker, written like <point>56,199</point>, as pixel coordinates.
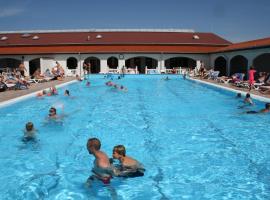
<point>251,81</point>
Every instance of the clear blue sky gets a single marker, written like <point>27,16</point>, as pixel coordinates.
<point>234,20</point>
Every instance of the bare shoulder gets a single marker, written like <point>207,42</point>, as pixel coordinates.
<point>130,161</point>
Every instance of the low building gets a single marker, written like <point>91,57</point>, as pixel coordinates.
<point>135,50</point>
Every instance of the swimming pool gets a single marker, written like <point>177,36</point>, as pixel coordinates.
<point>192,139</point>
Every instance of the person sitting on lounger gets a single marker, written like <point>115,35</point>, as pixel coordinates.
<point>3,85</point>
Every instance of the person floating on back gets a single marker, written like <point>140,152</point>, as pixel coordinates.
<point>102,168</point>
<point>129,167</point>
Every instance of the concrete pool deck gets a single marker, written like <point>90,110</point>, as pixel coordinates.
<point>34,87</point>
<point>254,93</point>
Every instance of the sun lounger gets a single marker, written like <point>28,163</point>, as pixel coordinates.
<point>213,75</point>
<point>224,79</point>
<point>10,86</point>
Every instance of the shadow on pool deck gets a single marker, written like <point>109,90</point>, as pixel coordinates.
<point>11,94</point>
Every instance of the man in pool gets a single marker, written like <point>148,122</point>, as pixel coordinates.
<point>102,168</point>
<point>53,113</point>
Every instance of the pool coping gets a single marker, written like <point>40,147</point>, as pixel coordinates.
<point>257,97</point>
<point>33,94</point>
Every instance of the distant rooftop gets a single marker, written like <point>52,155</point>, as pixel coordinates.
<point>101,30</point>
<point>109,41</point>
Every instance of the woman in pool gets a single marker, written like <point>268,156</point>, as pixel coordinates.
<point>128,167</point>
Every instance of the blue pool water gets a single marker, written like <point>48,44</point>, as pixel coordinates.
<point>192,139</point>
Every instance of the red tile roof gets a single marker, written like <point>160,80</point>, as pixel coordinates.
<point>108,38</point>
<point>120,41</point>
<point>265,42</point>
<point>106,49</point>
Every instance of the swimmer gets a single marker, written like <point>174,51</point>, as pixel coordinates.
<point>88,83</point>
<point>42,93</point>
<point>129,167</point>
<point>67,93</point>
<point>124,89</point>
<point>78,78</point>
<point>102,167</point>
<point>265,110</point>
<point>52,91</point>
<point>247,102</point>
<point>53,113</point>
<point>238,95</point>
<point>110,83</point>
<point>184,76</point>
<point>167,78</point>
<point>29,132</point>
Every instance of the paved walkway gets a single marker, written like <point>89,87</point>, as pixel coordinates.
<point>10,94</point>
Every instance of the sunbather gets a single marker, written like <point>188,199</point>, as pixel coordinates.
<point>3,85</point>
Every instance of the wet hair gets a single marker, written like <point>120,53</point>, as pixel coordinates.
<point>239,95</point>
<point>247,95</point>
<point>54,109</point>
<point>267,106</point>
<point>29,126</point>
<point>120,149</point>
<point>67,92</point>
<point>93,142</point>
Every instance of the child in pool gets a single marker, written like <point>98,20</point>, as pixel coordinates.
<point>129,167</point>
<point>29,132</point>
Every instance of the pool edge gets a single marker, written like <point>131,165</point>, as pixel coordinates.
<point>33,94</point>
